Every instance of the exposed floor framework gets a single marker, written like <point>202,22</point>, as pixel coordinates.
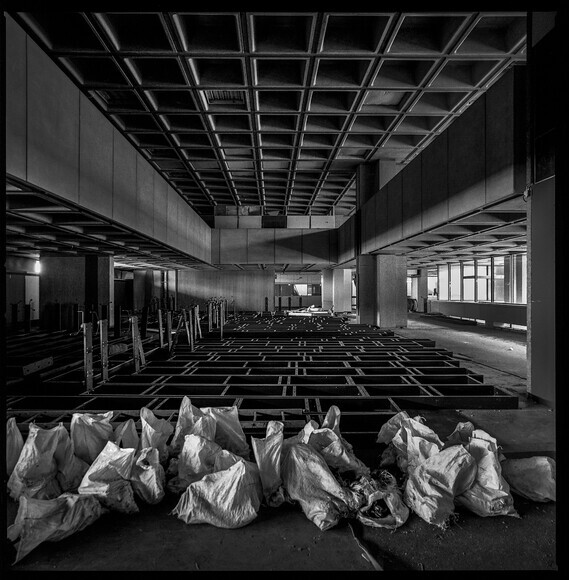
<point>281,368</point>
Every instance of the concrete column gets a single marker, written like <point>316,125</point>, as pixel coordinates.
<point>391,291</point>
<point>99,284</point>
<point>143,288</point>
<point>62,281</point>
<point>327,282</point>
<point>342,290</point>
<point>422,290</point>
<point>366,289</point>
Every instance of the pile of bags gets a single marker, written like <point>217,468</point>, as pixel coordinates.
<point>66,481</point>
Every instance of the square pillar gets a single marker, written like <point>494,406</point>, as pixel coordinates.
<point>327,281</point>
<point>391,294</point>
<point>342,290</point>
<point>366,290</point>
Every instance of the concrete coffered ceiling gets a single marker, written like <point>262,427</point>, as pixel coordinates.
<point>276,110</point>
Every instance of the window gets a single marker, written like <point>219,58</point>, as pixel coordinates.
<point>499,279</point>
<point>468,279</point>
<point>455,281</point>
<point>432,283</point>
<point>483,279</point>
<point>443,282</point>
<point>519,278</point>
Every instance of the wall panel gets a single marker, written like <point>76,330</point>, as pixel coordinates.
<point>394,209</point>
<point>16,112</point>
<point>288,246</point>
<point>261,246</point>
<point>434,184</point>
<point>95,160</point>
<point>124,181</point>
<point>144,195</point>
<point>466,166</point>
<point>53,126</point>
<point>160,213</point>
<point>411,198</point>
<point>233,246</point>
<point>315,246</point>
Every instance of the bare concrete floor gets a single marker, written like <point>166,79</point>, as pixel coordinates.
<point>283,539</point>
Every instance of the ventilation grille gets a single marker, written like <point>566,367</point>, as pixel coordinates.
<point>225,97</point>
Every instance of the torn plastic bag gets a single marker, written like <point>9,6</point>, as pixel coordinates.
<point>308,480</point>
<point>90,433</point>
<point>147,477</point>
<point>126,435</point>
<point>414,442</point>
<point>40,520</point>
<point>531,477</point>
<point>108,478</point>
<point>336,451</point>
<point>14,444</point>
<point>228,431</point>
<point>461,434</point>
<point>196,459</point>
<point>431,488</point>
<point>191,420</point>
<point>226,499</point>
<point>155,433</point>
<point>70,468</point>
<point>267,454</point>
<point>489,495</point>
<point>35,473</point>
<point>391,427</point>
<point>384,506</point>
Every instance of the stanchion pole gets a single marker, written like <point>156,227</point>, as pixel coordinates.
<point>87,328</point>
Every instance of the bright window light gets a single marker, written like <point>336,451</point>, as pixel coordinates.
<point>37,267</point>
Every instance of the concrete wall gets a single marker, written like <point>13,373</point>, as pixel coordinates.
<point>58,140</point>
<point>478,160</point>
<point>274,246</point>
<point>490,312</point>
<point>248,289</point>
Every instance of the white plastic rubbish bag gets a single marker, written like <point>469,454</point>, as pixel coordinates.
<point>70,468</point>
<point>490,494</point>
<point>228,431</point>
<point>414,442</point>
<point>196,459</point>
<point>147,477</point>
<point>391,427</point>
<point>431,488</point>
<point>267,454</point>
<point>384,506</point>
<point>51,520</point>
<point>35,473</point>
<point>308,480</point>
<point>108,478</point>
<point>14,444</point>
<point>90,433</point>
<point>226,499</point>
<point>126,435</point>
<point>155,433</point>
<point>461,434</point>
<point>191,420</point>
<point>531,477</point>
<point>336,451</point>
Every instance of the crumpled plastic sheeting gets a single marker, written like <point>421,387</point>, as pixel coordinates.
<point>531,477</point>
<point>268,452</point>
<point>126,435</point>
<point>147,477</point>
<point>108,478</point>
<point>380,487</point>
<point>336,451</point>
<point>228,431</point>
<point>226,499</point>
<point>490,494</point>
<point>51,520</point>
<point>431,488</point>
<point>191,420</point>
<point>47,465</point>
<point>14,444</point>
<point>308,480</point>
<point>90,433</point>
<point>155,433</point>
<point>70,468</point>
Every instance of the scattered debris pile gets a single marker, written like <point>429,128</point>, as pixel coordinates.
<point>66,481</point>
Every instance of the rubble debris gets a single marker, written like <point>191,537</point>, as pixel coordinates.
<point>531,477</point>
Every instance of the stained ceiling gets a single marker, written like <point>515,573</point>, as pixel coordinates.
<point>273,112</point>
